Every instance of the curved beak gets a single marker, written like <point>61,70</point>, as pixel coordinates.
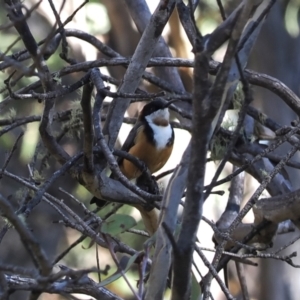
<point>170,102</point>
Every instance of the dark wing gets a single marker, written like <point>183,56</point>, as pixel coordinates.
<point>171,140</point>
<point>130,141</point>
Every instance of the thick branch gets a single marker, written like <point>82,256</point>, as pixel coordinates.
<point>136,68</point>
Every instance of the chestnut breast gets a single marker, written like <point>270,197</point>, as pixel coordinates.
<point>153,145</point>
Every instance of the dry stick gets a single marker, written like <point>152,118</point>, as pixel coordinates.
<point>214,273</point>
<point>222,77</point>
<point>87,212</point>
<point>18,270</point>
<point>15,13</point>
<point>136,68</point>
<point>11,60</point>
<point>241,275</point>
<point>64,53</point>
<point>67,272</point>
<point>136,161</point>
<point>273,157</point>
<point>66,220</point>
<point>247,207</point>
<point>83,285</point>
<point>87,230</point>
<point>288,244</point>
<point>256,230</point>
<point>192,213</point>
<point>256,23</point>
<point>88,158</point>
<point>31,245</point>
<point>111,53</point>
<point>141,16</point>
<point>2,56</point>
<point>64,280</point>
<point>225,236</point>
<point>10,154</point>
<point>242,113</point>
<point>162,258</point>
<point>23,54</point>
<point>165,85</point>
<point>122,61</point>
<point>234,256</point>
<point>263,80</point>
<point>68,249</point>
<point>26,16</point>
<point>193,210</point>
<point>122,154</point>
<point>233,140</point>
<point>263,118</point>
<point>135,97</point>
<point>49,47</point>
<point>285,258</point>
<point>3,287</point>
<point>17,17</point>
<point>279,88</point>
<point>98,264</point>
<point>232,209</point>
<point>16,122</point>
<point>43,96</point>
<point>142,269</point>
<point>99,137</point>
<point>269,149</point>
<point>163,174</point>
<point>138,232</point>
<point>272,84</point>
<point>236,192</point>
<point>94,220</point>
<point>39,194</point>
<point>115,259</point>
<point>186,17</point>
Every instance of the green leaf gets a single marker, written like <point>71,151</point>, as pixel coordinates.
<point>117,223</point>
<point>196,290</point>
<point>118,273</point>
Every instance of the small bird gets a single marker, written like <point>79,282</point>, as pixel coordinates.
<point>151,140</point>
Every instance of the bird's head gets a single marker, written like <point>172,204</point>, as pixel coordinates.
<point>156,112</point>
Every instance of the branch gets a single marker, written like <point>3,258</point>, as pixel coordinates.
<point>141,16</point>
<point>279,208</point>
<point>110,159</point>
<point>33,248</point>
<point>137,67</point>
<point>83,285</point>
<point>87,128</point>
<point>162,255</point>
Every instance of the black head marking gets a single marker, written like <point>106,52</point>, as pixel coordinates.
<point>153,106</point>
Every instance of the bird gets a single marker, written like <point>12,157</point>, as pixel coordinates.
<point>151,140</point>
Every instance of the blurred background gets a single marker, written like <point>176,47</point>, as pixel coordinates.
<point>275,53</point>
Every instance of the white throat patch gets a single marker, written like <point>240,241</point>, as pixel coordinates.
<point>161,134</point>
